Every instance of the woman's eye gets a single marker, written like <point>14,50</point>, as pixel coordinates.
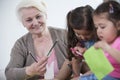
<point>29,20</point>
<point>38,17</point>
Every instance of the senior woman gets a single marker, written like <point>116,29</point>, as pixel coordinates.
<point>29,54</point>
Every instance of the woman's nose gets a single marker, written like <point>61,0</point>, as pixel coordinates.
<point>35,22</point>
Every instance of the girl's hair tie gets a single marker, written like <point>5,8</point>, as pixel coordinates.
<point>111,9</point>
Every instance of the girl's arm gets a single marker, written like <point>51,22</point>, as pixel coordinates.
<point>65,71</point>
<point>106,47</point>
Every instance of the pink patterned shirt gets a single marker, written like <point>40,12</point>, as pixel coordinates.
<point>52,58</point>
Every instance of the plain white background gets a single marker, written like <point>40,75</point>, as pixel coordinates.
<point>12,29</point>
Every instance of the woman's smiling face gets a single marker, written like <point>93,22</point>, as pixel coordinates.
<point>33,20</point>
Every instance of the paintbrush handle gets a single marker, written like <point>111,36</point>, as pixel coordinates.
<point>52,47</point>
<point>33,57</point>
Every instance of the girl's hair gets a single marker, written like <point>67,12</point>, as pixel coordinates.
<point>111,11</point>
<point>79,18</point>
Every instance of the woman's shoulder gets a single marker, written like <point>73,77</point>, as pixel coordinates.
<point>56,29</point>
<point>25,36</point>
<point>24,39</point>
<point>58,33</point>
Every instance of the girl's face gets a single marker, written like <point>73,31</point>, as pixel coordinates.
<point>83,34</point>
<point>33,20</point>
<point>105,29</point>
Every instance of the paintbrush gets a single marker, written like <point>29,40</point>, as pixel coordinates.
<point>33,56</point>
<point>48,52</point>
<point>52,47</point>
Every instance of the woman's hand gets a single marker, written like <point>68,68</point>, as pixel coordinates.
<point>37,68</point>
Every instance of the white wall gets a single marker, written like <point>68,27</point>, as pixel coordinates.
<point>12,29</point>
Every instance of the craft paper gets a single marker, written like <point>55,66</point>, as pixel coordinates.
<point>49,75</point>
<point>97,62</point>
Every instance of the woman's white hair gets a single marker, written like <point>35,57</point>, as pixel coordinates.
<point>38,4</point>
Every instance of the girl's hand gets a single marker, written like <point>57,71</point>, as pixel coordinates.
<point>102,44</point>
<point>37,68</point>
<point>78,51</point>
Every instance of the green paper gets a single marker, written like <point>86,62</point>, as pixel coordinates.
<point>97,62</point>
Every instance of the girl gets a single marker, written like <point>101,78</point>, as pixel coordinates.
<point>80,36</point>
<point>107,23</point>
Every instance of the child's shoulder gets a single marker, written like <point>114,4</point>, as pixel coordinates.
<point>117,39</point>
<point>116,42</point>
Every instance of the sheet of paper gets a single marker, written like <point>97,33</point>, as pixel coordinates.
<point>49,75</point>
<point>97,62</point>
